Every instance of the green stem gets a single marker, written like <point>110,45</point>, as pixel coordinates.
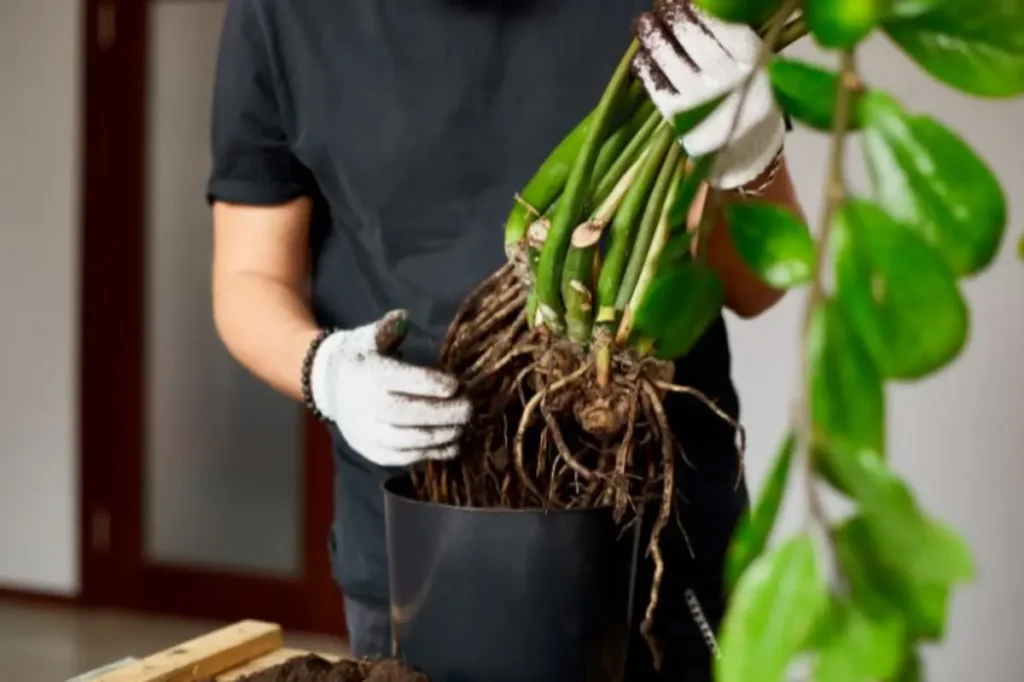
<point>620,144</point>
<point>604,363</point>
<point>625,225</point>
<point>549,271</point>
<point>790,33</point>
<point>577,285</point>
<point>531,308</point>
<point>629,155</point>
<point>545,185</point>
<point>581,262</point>
<point>835,195</point>
<point>645,234</point>
<point>617,152</point>
<point>548,182</point>
<point>645,346</point>
<point>653,253</point>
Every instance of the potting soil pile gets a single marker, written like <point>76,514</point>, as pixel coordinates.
<point>313,668</point>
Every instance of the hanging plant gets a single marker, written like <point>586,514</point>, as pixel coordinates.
<point>566,352</point>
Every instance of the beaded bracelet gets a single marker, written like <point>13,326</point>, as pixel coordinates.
<point>766,179</point>
<point>307,371</point>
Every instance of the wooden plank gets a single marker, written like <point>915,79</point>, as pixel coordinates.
<point>205,656</point>
<point>268,661</point>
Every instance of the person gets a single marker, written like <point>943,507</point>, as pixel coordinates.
<point>365,154</point>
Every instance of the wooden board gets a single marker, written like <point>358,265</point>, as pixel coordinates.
<point>213,654</point>
<point>267,661</point>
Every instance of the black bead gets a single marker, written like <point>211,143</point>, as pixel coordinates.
<point>307,371</point>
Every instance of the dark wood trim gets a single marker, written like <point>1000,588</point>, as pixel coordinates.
<point>321,596</point>
<point>112,298</point>
<point>215,595</point>
<point>114,572</point>
<point>20,595</point>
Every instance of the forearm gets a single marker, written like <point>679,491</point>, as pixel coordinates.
<point>266,325</point>
<point>745,294</point>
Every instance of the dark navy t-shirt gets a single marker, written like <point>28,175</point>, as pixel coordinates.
<point>411,124</point>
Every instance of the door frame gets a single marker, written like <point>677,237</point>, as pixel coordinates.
<point>114,572</point>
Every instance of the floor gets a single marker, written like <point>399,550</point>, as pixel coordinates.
<point>55,643</point>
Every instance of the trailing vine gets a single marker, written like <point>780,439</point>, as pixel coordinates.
<point>566,352</point>
<point>859,595</point>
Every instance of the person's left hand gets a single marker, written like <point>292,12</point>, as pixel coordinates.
<point>687,59</point>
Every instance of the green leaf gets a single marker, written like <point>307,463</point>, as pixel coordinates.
<point>1020,248</point>
<point>912,670</point>
<point>774,242</point>
<point>679,307</point>
<point>900,294</point>
<point>976,47</point>
<point>677,251</point>
<point>773,612</point>
<point>860,647</point>
<point>910,9</point>
<point>751,12</point>
<point>807,92</point>
<point>920,547</point>
<point>881,581</point>
<point>756,526</point>
<point>842,24</point>
<point>926,177</point>
<point>847,396</point>
<point>685,121</point>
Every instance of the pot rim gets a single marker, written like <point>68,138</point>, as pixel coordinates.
<point>391,482</point>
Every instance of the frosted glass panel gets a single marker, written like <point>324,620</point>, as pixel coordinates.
<point>222,449</point>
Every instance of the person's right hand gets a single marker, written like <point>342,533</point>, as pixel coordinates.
<point>390,412</point>
<point>687,59</point>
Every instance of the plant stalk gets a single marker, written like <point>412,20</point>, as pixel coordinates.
<point>549,270</point>
<point>656,205</point>
<point>617,143</point>
<point>582,263</point>
<point>624,228</point>
<point>577,285</point>
<point>629,155</point>
<point>620,147</point>
<point>835,194</point>
<point>653,253</point>
<point>790,33</point>
<point>547,183</point>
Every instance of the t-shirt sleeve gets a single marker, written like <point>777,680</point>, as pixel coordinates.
<point>253,162</point>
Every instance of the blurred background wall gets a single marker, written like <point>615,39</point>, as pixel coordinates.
<point>40,96</point>
<point>957,437</point>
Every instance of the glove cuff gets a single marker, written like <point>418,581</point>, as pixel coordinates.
<point>746,159</point>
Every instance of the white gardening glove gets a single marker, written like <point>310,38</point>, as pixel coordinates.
<point>687,59</point>
<point>390,412</point>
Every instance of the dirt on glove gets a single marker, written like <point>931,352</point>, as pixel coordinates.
<point>313,668</point>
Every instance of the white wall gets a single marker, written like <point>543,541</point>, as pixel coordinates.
<point>956,437</point>
<point>39,178</point>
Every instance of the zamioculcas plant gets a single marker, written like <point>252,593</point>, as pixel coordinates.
<point>566,351</point>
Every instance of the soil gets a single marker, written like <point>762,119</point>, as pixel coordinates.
<point>313,668</point>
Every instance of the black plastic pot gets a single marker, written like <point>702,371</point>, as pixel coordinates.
<point>509,596</point>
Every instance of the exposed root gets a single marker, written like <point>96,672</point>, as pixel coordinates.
<point>504,276</point>
<point>653,401</point>
<point>563,449</point>
<point>520,458</point>
<point>622,462</point>
<point>556,427</point>
<point>741,433</point>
